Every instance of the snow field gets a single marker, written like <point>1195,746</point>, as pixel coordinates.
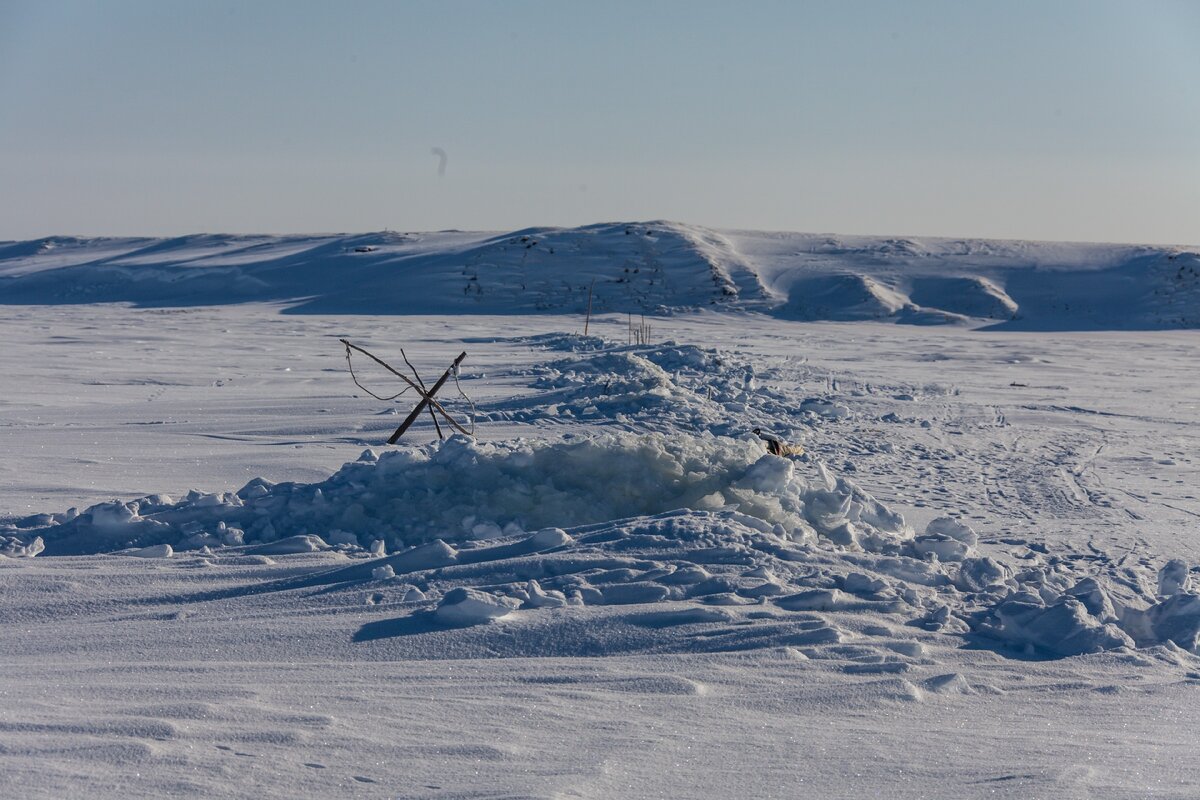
<point>763,514</point>
<point>980,584</point>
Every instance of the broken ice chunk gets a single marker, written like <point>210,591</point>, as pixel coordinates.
<point>1173,578</point>
<point>463,606</point>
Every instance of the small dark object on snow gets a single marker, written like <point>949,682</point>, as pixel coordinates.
<point>778,447</point>
<point>427,395</point>
<point>426,399</point>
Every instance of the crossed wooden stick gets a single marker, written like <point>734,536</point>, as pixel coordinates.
<point>427,400</point>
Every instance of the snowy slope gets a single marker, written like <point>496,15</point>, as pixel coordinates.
<point>635,268</point>
<point>629,268</point>
<point>1015,285</point>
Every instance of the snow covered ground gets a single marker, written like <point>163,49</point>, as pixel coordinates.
<point>980,581</point>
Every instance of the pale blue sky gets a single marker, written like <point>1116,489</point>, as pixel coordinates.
<point>1047,120</point>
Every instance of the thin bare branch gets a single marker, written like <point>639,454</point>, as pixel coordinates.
<point>417,375</point>
<point>426,398</point>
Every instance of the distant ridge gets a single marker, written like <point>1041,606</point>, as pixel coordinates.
<point>640,267</point>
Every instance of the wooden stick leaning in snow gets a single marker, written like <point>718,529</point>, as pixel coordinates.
<point>417,375</point>
<point>588,318</point>
<point>426,396</point>
<point>428,399</point>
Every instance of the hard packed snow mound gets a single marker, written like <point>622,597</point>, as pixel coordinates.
<point>654,267</point>
<point>1057,613</point>
<point>462,490</point>
<point>662,388</point>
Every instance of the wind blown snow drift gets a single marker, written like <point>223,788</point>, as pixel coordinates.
<point>462,489</point>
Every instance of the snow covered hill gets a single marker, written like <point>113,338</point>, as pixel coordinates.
<point>634,268</point>
<point>651,268</point>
